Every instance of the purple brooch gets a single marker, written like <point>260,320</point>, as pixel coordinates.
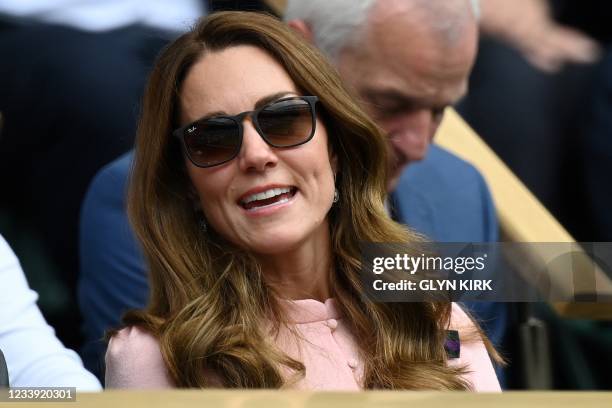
<point>452,344</point>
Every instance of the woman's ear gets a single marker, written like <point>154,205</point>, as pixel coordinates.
<point>334,164</point>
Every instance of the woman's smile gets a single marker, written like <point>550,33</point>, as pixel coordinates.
<point>271,198</point>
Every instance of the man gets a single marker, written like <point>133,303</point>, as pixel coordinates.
<point>407,60</point>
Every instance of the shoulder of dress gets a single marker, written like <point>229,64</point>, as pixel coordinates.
<point>130,340</point>
<point>460,320</point>
<point>472,353</point>
<point>134,360</point>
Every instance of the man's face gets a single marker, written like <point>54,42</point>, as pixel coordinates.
<point>405,76</point>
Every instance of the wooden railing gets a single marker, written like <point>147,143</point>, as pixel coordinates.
<point>296,399</point>
<point>523,218</point>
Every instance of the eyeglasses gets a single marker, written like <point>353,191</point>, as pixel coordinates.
<point>287,122</point>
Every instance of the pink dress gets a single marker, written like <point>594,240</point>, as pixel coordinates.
<point>328,351</point>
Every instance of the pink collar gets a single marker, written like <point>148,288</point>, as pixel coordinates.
<point>310,310</point>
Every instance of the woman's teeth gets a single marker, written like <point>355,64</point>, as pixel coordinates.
<point>273,196</point>
<point>266,194</point>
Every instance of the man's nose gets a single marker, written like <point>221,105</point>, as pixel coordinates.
<point>255,154</point>
<point>413,128</point>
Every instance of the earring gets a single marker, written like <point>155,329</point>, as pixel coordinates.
<point>336,195</point>
<point>203,225</point>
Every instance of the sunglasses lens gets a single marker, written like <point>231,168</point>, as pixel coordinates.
<point>212,141</point>
<point>286,123</point>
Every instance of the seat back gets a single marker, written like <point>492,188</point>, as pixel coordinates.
<point>4,378</point>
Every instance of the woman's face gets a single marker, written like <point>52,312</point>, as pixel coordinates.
<point>300,180</point>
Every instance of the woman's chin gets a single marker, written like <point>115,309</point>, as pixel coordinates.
<point>273,245</point>
<point>278,238</point>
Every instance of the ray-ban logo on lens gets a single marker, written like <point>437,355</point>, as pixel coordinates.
<point>191,129</point>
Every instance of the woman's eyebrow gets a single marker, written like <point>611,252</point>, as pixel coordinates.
<point>260,102</point>
<point>213,114</point>
<point>271,98</point>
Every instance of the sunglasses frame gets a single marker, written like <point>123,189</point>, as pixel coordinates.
<point>181,132</point>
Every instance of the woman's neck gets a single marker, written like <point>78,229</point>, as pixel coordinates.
<point>302,272</point>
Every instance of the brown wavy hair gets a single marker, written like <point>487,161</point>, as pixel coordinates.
<point>209,304</point>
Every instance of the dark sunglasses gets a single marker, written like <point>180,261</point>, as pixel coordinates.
<point>287,122</point>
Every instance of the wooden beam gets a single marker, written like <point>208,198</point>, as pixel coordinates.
<point>522,217</point>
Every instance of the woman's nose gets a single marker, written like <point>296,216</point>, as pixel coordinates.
<point>255,154</point>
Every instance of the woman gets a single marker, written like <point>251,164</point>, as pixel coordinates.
<point>256,177</point>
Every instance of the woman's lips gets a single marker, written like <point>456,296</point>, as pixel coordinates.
<point>268,198</point>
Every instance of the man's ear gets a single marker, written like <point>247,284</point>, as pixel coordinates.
<point>303,28</point>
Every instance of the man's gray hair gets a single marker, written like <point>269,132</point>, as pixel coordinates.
<point>337,24</point>
<point>476,8</point>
